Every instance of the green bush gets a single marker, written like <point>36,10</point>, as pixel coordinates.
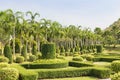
<point>73,72</point>
<point>80,64</point>
<point>9,74</point>
<point>115,65</point>
<point>39,55</point>
<point>99,48</point>
<point>76,54</point>
<point>19,59</point>
<point>72,50</point>
<point>28,75</point>
<point>62,50</point>
<point>102,73</point>
<point>48,51</point>
<point>3,65</point>
<point>0,51</point>
<point>34,49</point>
<point>115,76</point>
<point>32,58</point>
<point>77,59</point>
<point>60,57</point>
<point>17,45</point>
<point>8,53</point>
<point>24,52</point>
<point>77,49</point>
<point>88,57</point>
<point>4,59</point>
<point>50,63</point>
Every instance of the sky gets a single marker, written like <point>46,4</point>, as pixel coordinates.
<point>85,13</point>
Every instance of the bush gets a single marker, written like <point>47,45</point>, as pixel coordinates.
<point>39,55</point>
<point>88,57</point>
<point>19,59</point>
<point>32,58</point>
<point>99,48</point>
<point>34,49</point>
<point>3,65</point>
<point>102,73</point>
<point>28,75</point>
<point>9,74</point>
<point>24,52</point>
<point>80,64</point>
<point>8,53</point>
<point>115,76</point>
<point>50,63</point>
<point>77,49</point>
<point>60,57</point>
<point>48,51</point>
<point>62,50</point>
<point>0,51</point>
<point>4,59</point>
<point>76,54</point>
<point>77,59</point>
<point>74,72</point>
<point>17,45</point>
<point>115,65</point>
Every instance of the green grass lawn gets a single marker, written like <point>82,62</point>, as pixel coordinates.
<point>76,78</point>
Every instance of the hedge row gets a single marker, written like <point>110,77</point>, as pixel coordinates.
<point>45,65</point>
<point>74,72</point>
<point>79,64</point>
<point>107,59</point>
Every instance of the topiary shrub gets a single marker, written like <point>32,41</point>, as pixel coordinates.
<point>34,48</point>
<point>19,59</point>
<point>32,58</point>
<point>88,57</point>
<point>17,45</point>
<point>4,59</point>
<point>8,53</point>
<point>77,59</point>
<point>48,51</point>
<point>115,76</point>
<point>77,49</point>
<point>39,55</point>
<point>99,48</point>
<point>62,50</point>
<point>9,74</point>
<point>24,52</point>
<point>3,65</point>
<point>115,65</point>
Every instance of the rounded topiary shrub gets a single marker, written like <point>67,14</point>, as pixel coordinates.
<point>88,57</point>
<point>19,59</point>
<point>24,52</point>
<point>8,53</point>
<point>99,48</point>
<point>4,59</point>
<point>48,51</point>
<point>9,74</point>
<point>3,65</point>
<point>34,48</point>
<point>115,65</point>
<point>32,58</point>
<point>77,59</point>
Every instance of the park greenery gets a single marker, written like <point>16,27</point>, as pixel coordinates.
<point>32,48</point>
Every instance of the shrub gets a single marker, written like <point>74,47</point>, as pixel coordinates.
<point>76,54</point>
<point>50,63</point>
<point>115,76</point>
<point>39,55</point>
<point>19,59</point>
<point>8,53</point>
<point>4,59</point>
<point>0,51</point>
<point>77,59</point>
<point>24,52</point>
<point>32,58</point>
<point>77,49</point>
<point>115,65</point>
<point>34,49</point>
<point>88,57</point>
<point>9,74</point>
<point>72,50</point>
<point>3,65</point>
<point>17,45</point>
<point>99,48</point>
<point>62,50</point>
<point>102,73</point>
<point>48,51</point>
<point>80,64</point>
<point>60,57</point>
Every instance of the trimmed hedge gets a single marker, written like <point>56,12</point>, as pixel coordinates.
<point>3,65</point>
<point>74,72</point>
<point>9,74</point>
<point>79,64</point>
<point>77,59</point>
<point>115,65</point>
<point>32,58</point>
<point>19,59</point>
<point>99,48</point>
<point>49,64</point>
<point>48,51</point>
<point>4,59</point>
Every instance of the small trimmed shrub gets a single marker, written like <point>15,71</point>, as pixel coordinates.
<point>99,48</point>
<point>77,59</point>
<point>3,65</point>
<point>115,65</point>
<point>34,49</point>
<point>24,52</point>
<point>88,57</point>
<point>77,49</point>
<point>102,73</point>
<point>62,50</point>
<point>48,51</point>
<point>76,54</point>
<point>8,53</point>
<point>115,76</point>
<point>48,63</point>
<point>9,74</point>
<point>4,59</point>
<point>80,64</point>
<point>17,45</point>
<point>19,59</point>
<point>39,55</point>
<point>32,58</point>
